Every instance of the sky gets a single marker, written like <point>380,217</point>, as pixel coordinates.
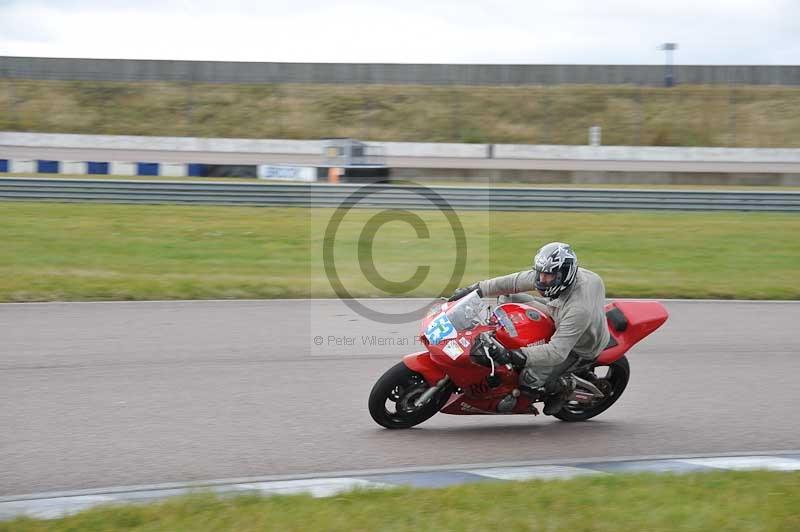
<point>765,32</point>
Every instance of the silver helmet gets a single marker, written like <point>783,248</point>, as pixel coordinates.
<point>559,259</point>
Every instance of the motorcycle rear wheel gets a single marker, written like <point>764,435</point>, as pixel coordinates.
<point>399,387</point>
<point>618,376</point>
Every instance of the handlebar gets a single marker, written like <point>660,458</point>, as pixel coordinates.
<point>489,337</point>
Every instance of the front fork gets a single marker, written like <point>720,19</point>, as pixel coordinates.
<point>430,392</point>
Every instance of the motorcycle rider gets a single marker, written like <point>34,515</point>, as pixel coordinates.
<point>574,297</point>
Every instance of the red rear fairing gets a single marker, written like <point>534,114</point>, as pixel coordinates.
<point>640,319</point>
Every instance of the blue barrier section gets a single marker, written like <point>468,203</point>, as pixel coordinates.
<point>97,168</point>
<point>47,167</point>
<point>198,170</point>
<point>146,168</point>
<point>4,165</point>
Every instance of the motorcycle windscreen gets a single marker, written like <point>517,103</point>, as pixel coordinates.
<point>470,311</point>
<point>463,315</point>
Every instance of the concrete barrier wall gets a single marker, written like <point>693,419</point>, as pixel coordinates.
<point>130,142</point>
<point>425,74</point>
<point>404,149</point>
<point>221,145</point>
<point>433,149</point>
<point>647,153</point>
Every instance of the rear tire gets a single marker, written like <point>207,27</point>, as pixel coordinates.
<point>399,387</point>
<point>620,372</point>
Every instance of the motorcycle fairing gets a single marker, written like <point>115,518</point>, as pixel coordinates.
<point>461,369</point>
<point>640,319</point>
<point>475,396</point>
<point>462,404</point>
<point>421,363</point>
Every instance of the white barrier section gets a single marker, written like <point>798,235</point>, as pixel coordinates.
<point>401,149</point>
<point>646,153</point>
<point>73,167</point>
<point>191,145</point>
<point>433,149</point>
<point>119,168</point>
<point>287,173</point>
<point>22,166</point>
<point>188,144</point>
<point>173,169</point>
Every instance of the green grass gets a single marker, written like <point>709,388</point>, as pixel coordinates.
<point>687,115</point>
<point>73,252</point>
<point>731,501</point>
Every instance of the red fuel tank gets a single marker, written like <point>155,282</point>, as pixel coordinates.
<point>522,325</point>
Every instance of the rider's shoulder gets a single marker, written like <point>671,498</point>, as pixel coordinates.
<point>588,274</point>
<point>588,278</point>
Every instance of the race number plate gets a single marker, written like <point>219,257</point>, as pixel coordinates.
<point>440,329</point>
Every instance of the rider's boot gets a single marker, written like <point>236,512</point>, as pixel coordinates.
<point>557,396</point>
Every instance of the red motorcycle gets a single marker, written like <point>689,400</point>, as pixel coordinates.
<point>446,377</point>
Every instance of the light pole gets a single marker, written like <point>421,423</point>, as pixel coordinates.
<point>668,47</point>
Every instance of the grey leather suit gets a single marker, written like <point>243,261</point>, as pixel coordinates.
<point>579,317</point>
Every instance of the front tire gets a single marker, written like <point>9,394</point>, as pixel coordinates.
<point>619,373</point>
<point>398,388</point>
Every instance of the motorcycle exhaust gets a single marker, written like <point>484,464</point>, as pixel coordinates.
<point>583,383</point>
<point>579,396</point>
<point>589,393</point>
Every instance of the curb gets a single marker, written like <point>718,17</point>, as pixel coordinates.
<point>53,505</point>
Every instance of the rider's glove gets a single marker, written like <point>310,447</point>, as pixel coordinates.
<point>478,355</point>
<point>497,352</point>
<point>461,292</point>
<point>517,358</point>
<point>500,354</point>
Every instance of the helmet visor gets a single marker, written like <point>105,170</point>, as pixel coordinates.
<point>544,280</point>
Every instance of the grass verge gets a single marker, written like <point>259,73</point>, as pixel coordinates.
<point>686,115</point>
<point>51,251</point>
<point>705,501</point>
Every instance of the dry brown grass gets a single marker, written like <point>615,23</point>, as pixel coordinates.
<point>629,115</point>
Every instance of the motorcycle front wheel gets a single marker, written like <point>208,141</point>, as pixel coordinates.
<point>612,384</point>
<point>391,401</point>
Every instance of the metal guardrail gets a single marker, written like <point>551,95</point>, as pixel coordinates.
<point>391,196</point>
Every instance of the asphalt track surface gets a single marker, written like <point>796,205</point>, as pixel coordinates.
<point>110,394</point>
<point>81,154</point>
